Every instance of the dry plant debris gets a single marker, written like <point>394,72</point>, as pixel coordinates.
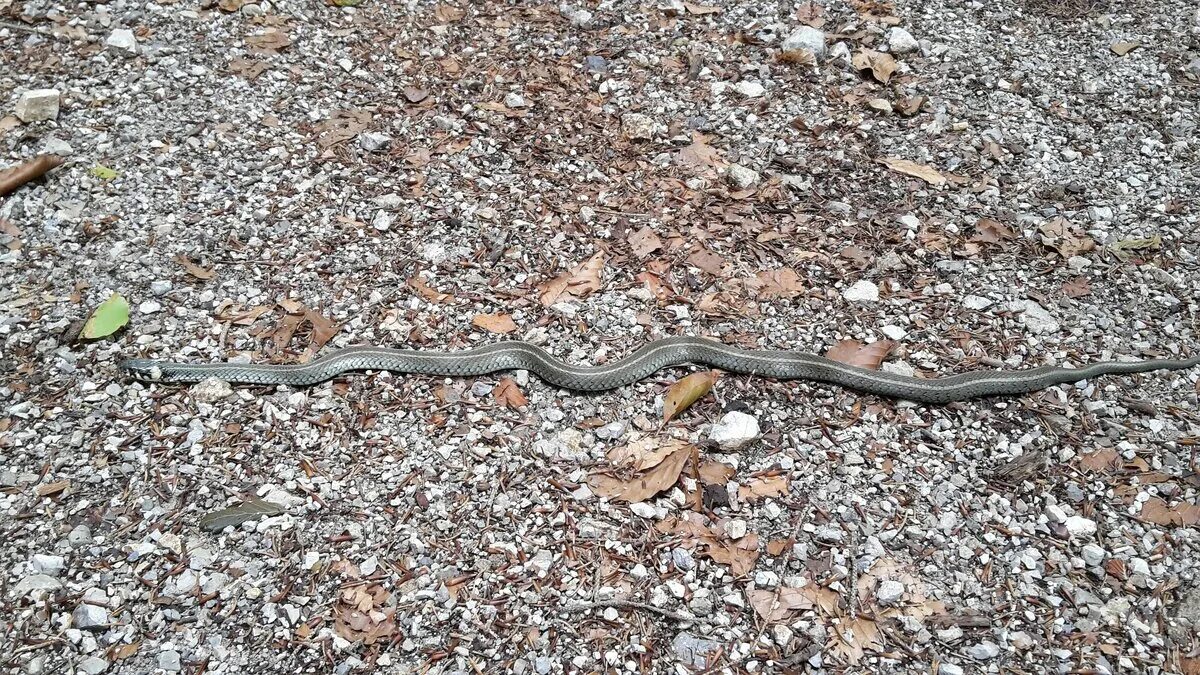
<point>918,187</point>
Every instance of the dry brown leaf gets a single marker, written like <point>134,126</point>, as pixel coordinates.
<point>700,154</point>
<point>644,453</point>
<point>644,242</point>
<point>855,353</point>
<point>810,13</point>
<point>418,284</point>
<point>579,282</point>
<point>1123,48</point>
<point>501,324</point>
<point>415,94</point>
<point>51,489</point>
<point>507,393</point>
<point>249,69</point>
<point>323,331</point>
<point>645,485</point>
<point>909,105</point>
<point>763,487</point>
<point>1068,240</point>
<point>739,555</point>
<point>269,42</point>
<point>1077,287</point>
<point>449,13</point>
<point>194,269</point>
<point>1100,461</point>
<point>10,230</point>
<point>365,614</point>
<point>230,5</point>
<point>780,283</point>
<point>708,261</point>
<point>881,65</point>
<point>686,392</point>
<point>1183,514</point>
<point>8,123</point>
<point>342,126</point>
<point>715,473</point>
<point>926,173</point>
<point>700,10</point>
<point>854,637</point>
<point>1189,665</point>
<point>14,177</point>
<point>989,231</point>
<point>122,652</point>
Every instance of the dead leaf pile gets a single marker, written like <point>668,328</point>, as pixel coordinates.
<point>694,529</point>
<point>1183,514</point>
<point>654,469</point>
<point>879,64</point>
<point>580,282</point>
<point>365,614</point>
<point>1064,238</point>
<point>271,41</point>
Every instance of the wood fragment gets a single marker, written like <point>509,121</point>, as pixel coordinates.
<point>11,179</point>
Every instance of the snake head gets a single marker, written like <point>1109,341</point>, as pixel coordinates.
<point>146,370</point>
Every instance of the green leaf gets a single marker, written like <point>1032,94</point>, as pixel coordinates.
<point>250,509</point>
<point>346,3</point>
<point>107,318</point>
<point>103,172</point>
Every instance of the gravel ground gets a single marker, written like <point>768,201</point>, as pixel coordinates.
<point>297,174</point>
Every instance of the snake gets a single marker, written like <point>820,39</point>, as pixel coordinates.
<point>647,360</point>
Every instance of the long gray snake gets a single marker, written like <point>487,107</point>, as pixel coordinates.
<point>664,353</point>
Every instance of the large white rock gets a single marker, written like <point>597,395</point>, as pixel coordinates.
<point>806,37</point>
<point>123,42</point>
<point>38,105</point>
<point>862,291</point>
<point>735,430</point>
<point>900,41</point>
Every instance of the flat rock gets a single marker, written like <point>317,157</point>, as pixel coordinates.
<point>693,651</point>
<point>734,431</point>
<point>808,38</point>
<point>38,105</point>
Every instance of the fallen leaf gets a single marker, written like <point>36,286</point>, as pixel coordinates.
<point>1182,514</point>
<point>27,172</point>
<point>1121,248</point>
<point>739,555</point>
<point>811,13</point>
<point>122,652</point>
<point>1068,240</point>
<point>909,105</point>
<point>579,282</point>
<point>798,57</point>
<point>1077,287</point>
<point>251,509</point>
<point>989,231</point>
<point>194,269</point>
<point>250,69</point>
<point>700,154</point>
<point>415,94</point>
<point>645,485</point>
<point>763,487</point>
<point>365,614</point>
<point>50,489</point>
<point>644,453</point>
<point>449,13</point>
<point>507,393</point>
<point>715,473</point>
<point>881,65</point>
<point>644,242</point>
<point>779,283</point>
<point>1123,48</point>
<point>775,606</point>
<point>323,330</point>
<point>103,172</point>
<point>495,323</point>
<point>230,5</point>
<point>855,353</point>
<point>269,42</point>
<point>926,173</point>
<point>418,284</point>
<point>8,229</point>
<point>107,319</point>
<point>852,638</point>
<point>342,126</point>
<point>707,261</point>
<point>1101,461</point>
<point>687,391</point>
<point>700,10</point>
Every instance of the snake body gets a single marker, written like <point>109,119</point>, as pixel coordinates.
<point>664,353</point>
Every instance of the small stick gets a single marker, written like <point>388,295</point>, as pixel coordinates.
<point>11,179</point>
<point>629,604</point>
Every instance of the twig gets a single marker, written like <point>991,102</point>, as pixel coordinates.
<point>629,604</point>
<point>15,177</point>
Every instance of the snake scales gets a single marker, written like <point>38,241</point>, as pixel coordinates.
<point>516,355</point>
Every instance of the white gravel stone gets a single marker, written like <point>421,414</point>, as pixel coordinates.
<point>638,126</point>
<point>374,141</point>
<point>93,665</point>
<point>38,105</point>
<point>862,291</point>
<point>806,37</point>
<point>741,177</point>
<point>169,660</point>
<point>977,303</point>
<point>1034,317</point>
<point>1093,555</point>
<point>984,650</point>
<point>736,528</point>
<point>889,592</point>
<point>900,41</point>
<point>1078,526</point>
<point>945,668</point>
<point>90,616</point>
<point>51,565</point>
<point>734,431</point>
<point>122,41</point>
<point>211,390</point>
<point>749,89</point>
<point>34,583</point>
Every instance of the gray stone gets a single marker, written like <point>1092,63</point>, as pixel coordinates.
<point>52,565</point>
<point>693,651</point>
<point>889,592</point>
<point>1093,555</point>
<point>38,105</point>
<point>638,126</point>
<point>35,582</point>
<point>808,38</point>
<point>123,42</point>
<point>612,431</point>
<point>741,177</point>
<point>949,669</point>
<point>169,660</point>
<point>211,390</point>
<point>88,616</point>
<point>373,141</point>
<point>829,534</point>
<point>160,287</point>
<point>1034,316</point>
<point>900,41</point>
<point>595,64</point>
<point>81,535</point>
<point>93,665</point>
<point>984,650</point>
<point>682,559</point>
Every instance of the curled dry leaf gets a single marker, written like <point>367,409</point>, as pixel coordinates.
<point>777,605</point>
<point>8,229</point>
<point>715,473</point>
<point>763,487</point>
<point>194,269</point>
<point>1101,461</point>
<point>909,168</point>
<point>644,242</point>
<point>643,485</point>
<point>708,261</point>
<point>1077,287</point>
<point>700,10</point>
<point>700,154</point>
<point>507,393</point>
<point>1183,514</point>
<point>342,126</point>
<point>418,284</point>
<point>854,637</point>
<point>15,177</point>
<point>990,231</point>
<point>644,453</point>
<point>1123,48</point>
<point>855,353</point>
<point>269,42</point>
<point>579,282</point>
<point>1067,239</point>
<point>780,283</point>
<point>501,324</point>
<point>739,555</point>
<point>881,65</point>
<point>687,391</point>
<point>251,509</point>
